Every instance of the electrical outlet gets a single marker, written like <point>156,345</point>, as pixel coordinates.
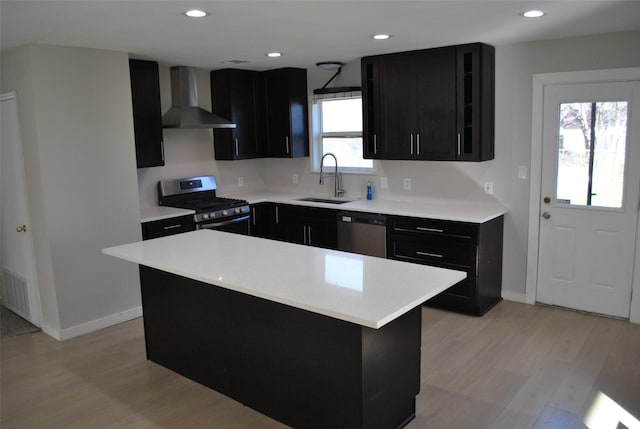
<point>488,188</point>
<point>384,183</point>
<point>407,184</point>
<point>241,181</point>
<point>296,179</point>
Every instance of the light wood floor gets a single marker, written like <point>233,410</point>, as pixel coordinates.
<point>520,366</point>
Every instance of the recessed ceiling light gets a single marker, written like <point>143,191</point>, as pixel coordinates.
<point>274,54</point>
<point>533,14</point>
<point>380,36</point>
<point>196,13</point>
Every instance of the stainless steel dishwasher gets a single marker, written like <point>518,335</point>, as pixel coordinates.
<point>362,233</point>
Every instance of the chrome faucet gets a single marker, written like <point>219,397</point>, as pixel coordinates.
<point>338,191</point>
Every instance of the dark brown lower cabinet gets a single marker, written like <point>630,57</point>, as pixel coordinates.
<point>170,226</point>
<point>470,247</point>
<point>304,369</point>
<point>262,220</point>
<point>306,225</point>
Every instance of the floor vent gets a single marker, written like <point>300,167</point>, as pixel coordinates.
<point>15,294</point>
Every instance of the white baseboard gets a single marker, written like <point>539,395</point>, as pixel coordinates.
<point>94,325</point>
<point>55,333</point>
<point>514,296</point>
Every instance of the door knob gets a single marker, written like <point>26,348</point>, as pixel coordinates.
<point>546,215</point>
<point>22,228</point>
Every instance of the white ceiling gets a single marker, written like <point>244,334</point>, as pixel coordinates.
<point>306,31</point>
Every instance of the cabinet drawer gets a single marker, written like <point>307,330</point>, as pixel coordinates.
<point>452,254</point>
<point>164,227</point>
<point>435,228</point>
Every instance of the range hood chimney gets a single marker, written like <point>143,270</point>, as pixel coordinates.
<point>184,111</point>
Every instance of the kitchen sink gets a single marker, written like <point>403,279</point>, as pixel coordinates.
<point>323,200</point>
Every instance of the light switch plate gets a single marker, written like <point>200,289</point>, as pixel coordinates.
<point>241,181</point>
<point>296,179</point>
<point>522,172</point>
<point>384,183</point>
<point>407,184</point>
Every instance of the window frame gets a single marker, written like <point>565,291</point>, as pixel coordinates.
<point>317,135</point>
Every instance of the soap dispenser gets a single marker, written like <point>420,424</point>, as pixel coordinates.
<point>369,190</point>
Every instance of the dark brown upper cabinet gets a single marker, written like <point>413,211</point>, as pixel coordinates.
<point>433,104</point>
<point>236,95</point>
<point>147,114</point>
<point>285,108</point>
<point>270,110</point>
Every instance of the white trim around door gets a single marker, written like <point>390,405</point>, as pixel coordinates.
<point>539,82</point>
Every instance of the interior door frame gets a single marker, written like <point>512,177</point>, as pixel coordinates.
<point>33,292</point>
<point>535,191</point>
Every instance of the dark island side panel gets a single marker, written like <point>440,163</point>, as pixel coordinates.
<point>301,368</point>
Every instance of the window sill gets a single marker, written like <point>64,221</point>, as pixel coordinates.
<point>346,170</point>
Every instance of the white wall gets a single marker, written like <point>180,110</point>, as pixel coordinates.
<point>515,66</point>
<point>75,111</point>
<point>17,75</point>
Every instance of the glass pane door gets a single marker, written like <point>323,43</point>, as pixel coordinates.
<point>591,153</point>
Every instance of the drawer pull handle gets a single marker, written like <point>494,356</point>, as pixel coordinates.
<point>422,228</point>
<point>433,255</point>
<point>172,226</point>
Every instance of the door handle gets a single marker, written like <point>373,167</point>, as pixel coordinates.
<point>22,228</point>
<point>546,215</point>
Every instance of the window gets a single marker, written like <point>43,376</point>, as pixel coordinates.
<point>591,153</point>
<point>337,128</point>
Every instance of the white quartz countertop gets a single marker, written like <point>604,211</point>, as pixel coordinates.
<point>429,208</point>
<point>359,289</point>
<point>149,214</point>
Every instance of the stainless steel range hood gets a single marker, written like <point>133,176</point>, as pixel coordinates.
<point>184,111</point>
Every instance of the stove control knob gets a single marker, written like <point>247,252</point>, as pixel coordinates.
<point>205,216</point>
<point>213,215</point>
<point>225,213</point>
<point>237,211</point>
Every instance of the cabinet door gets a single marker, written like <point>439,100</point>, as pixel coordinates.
<point>307,225</point>
<point>435,129</point>
<point>147,115</point>
<point>262,220</point>
<point>290,224</point>
<point>234,96</point>
<point>475,80</point>
<point>276,114</point>
<point>322,229</point>
<point>397,85</point>
<point>371,123</point>
<point>285,95</point>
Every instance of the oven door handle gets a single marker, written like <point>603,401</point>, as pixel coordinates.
<point>227,222</point>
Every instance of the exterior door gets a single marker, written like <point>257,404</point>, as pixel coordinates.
<point>590,196</point>
<point>19,279</point>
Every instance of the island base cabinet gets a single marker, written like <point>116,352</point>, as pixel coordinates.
<point>303,369</point>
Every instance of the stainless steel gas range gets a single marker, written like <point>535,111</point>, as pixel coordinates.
<point>212,212</point>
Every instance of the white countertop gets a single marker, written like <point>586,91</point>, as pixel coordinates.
<point>359,289</point>
<point>428,208</point>
<point>149,214</point>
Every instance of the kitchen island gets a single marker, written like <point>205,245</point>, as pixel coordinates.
<point>314,338</point>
